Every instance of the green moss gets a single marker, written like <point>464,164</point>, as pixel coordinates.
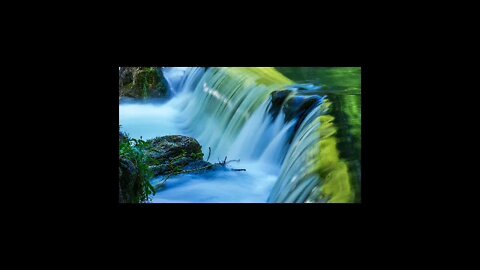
<point>337,187</point>
<point>197,156</point>
<point>333,78</point>
<point>335,184</point>
<point>147,82</point>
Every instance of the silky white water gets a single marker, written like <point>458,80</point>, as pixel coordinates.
<point>153,119</point>
<point>233,111</point>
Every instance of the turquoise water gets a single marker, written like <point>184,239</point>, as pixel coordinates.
<point>342,85</point>
<point>228,110</point>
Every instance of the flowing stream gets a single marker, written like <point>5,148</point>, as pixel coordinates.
<point>288,153</point>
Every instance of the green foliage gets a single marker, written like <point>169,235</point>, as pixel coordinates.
<point>147,80</point>
<point>331,78</point>
<point>133,150</point>
<point>333,172</point>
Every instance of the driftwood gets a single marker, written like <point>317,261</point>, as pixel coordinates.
<point>220,163</point>
<point>225,162</point>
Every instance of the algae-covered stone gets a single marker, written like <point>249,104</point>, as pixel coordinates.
<point>174,152</point>
<point>141,82</point>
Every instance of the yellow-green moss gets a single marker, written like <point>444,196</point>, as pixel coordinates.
<point>266,76</point>
<point>337,186</point>
<point>231,91</point>
<point>332,172</point>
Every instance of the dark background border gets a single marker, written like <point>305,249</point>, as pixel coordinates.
<point>376,184</point>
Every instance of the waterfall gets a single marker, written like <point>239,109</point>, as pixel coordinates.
<point>228,105</point>
<point>233,111</point>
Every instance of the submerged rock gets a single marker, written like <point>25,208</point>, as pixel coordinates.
<point>298,106</point>
<point>278,98</point>
<point>201,166</point>
<point>295,105</point>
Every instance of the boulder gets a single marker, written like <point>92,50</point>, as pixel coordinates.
<point>141,82</point>
<point>174,152</point>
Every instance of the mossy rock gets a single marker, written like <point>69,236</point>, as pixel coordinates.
<point>142,82</point>
<point>174,152</point>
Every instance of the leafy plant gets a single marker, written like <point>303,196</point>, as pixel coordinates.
<point>133,150</point>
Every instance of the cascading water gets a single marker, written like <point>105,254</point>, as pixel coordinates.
<point>287,145</point>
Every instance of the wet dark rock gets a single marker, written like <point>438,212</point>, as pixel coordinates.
<point>160,169</point>
<point>174,152</point>
<point>126,75</point>
<point>278,98</point>
<point>170,147</point>
<point>197,166</point>
<point>141,82</point>
<point>129,181</point>
<point>295,103</point>
<point>298,106</point>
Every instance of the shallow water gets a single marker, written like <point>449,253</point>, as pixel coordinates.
<point>151,120</point>
<point>233,127</point>
<point>251,186</point>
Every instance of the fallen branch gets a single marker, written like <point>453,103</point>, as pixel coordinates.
<point>225,162</point>
<point>220,163</point>
<point>233,160</point>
